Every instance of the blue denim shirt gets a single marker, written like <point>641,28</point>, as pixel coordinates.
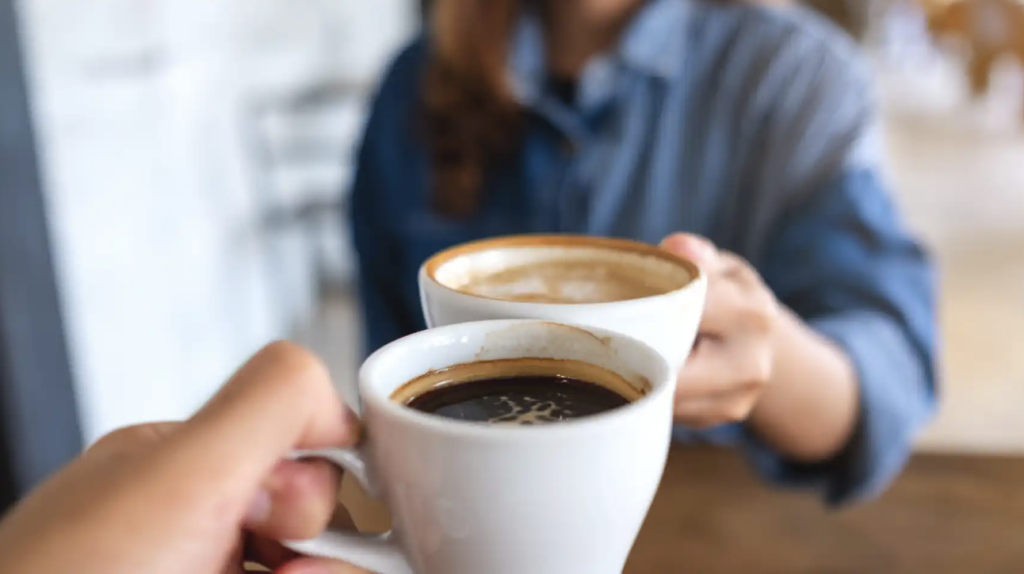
<point>751,126</point>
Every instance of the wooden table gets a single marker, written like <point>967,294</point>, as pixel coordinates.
<point>946,514</point>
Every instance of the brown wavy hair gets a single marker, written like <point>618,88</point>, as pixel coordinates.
<point>471,118</point>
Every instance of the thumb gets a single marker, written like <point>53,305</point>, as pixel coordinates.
<point>281,400</point>
<point>692,247</point>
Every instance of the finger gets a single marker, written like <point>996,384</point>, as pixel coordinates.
<point>318,566</point>
<point>729,299</point>
<point>718,304</point>
<point>234,565</point>
<point>267,553</point>
<point>282,399</point>
<point>706,373</point>
<point>722,367</point>
<point>693,247</point>
<point>711,411</point>
<point>695,413</point>
<point>738,269</point>
<point>291,564</point>
<point>711,391</point>
<point>296,501</point>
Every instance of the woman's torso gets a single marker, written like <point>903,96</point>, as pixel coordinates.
<point>672,132</point>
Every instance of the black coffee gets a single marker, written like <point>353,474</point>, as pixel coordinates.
<point>525,391</point>
<point>524,400</point>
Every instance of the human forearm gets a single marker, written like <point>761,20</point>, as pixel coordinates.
<point>810,407</point>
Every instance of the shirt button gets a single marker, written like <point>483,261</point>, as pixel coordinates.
<point>568,147</point>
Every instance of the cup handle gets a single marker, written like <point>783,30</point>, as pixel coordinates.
<point>376,552</point>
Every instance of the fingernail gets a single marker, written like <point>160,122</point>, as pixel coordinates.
<point>671,242</point>
<point>698,249</point>
<point>259,508</point>
<point>706,249</point>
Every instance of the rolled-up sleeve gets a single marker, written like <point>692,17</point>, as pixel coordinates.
<point>839,256</point>
<point>844,263</point>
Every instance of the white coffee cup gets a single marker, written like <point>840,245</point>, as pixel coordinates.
<point>470,498</point>
<point>667,321</point>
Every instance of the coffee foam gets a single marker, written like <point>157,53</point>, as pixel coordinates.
<point>467,373</point>
<point>530,413</point>
<point>562,274</point>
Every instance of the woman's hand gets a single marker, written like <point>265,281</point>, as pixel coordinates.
<point>757,362</point>
<point>732,361</point>
<point>200,496</point>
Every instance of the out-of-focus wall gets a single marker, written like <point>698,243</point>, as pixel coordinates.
<point>955,162</point>
<point>178,139</point>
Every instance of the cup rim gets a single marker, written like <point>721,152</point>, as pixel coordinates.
<point>660,385</point>
<point>432,265</point>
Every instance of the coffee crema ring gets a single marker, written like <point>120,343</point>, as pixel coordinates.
<point>518,391</point>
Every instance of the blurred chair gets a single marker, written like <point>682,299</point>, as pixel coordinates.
<point>988,30</point>
<point>302,119</point>
<point>301,144</point>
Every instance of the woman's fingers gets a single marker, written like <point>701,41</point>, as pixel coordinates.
<point>694,248</point>
<point>719,384</point>
<point>727,371</point>
<point>707,412</point>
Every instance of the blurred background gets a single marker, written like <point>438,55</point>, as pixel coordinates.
<point>173,174</point>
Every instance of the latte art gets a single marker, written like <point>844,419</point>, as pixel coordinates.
<point>563,274</point>
<point>564,281</point>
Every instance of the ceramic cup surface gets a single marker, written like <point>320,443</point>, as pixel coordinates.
<point>470,498</point>
<point>555,280</point>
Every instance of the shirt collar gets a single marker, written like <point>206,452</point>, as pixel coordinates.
<point>654,41</point>
<point>652,44</point>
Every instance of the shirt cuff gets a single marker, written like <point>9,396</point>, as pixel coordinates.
<point>896,401</point>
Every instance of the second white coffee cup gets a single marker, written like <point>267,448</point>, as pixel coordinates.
<point>667,321</point>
